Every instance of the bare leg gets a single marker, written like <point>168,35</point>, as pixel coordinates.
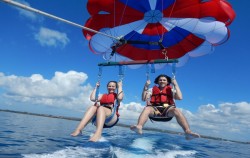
<point>142,120</point>
<point>183,123</point>
<point>100,120</point>
<point>85,120</point>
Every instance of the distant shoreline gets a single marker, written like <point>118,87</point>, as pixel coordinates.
<point>119,124</point>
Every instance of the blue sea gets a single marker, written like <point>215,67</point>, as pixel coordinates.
<point>32,136</point>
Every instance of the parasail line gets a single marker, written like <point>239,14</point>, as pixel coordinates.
<point>137,62</point>
<point>121,40</point>
<point>55,17</point>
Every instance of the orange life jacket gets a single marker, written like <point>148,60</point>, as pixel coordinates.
<point>108,98</point>
<point>162,96</point>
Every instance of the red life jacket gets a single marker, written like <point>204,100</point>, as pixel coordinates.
<point>162,96</point>
<point>108,98</point>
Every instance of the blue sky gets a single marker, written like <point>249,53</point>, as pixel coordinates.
<point>46,67</point>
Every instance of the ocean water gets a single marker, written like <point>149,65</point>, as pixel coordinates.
<point>31,136</point>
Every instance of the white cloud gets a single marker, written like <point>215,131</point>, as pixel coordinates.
<point>45,36</point>
<point>229,120</point>
<point>70,90</point>
<point>48,37</point>
<point>25,13</point>
<point>130,111</point>
<point>64,89</point>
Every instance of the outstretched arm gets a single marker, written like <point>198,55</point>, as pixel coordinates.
<point>93,93</point>
<point>119,91</point>
<point>178,93</point>
<point>145,95</point>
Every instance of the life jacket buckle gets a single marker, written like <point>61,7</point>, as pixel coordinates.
<point>165,105</point>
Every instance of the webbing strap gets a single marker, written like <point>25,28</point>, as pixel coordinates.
<point>152,68</point>
<point>110,117</point>
<point>121,72</point>
<point>147,71</point>
<point>174,70</point>
<point>99,79</point>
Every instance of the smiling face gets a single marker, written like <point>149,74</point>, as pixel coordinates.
<point>162,82</point>
<point>111,87</point>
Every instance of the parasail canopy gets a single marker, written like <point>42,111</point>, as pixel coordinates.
<point>157,29</point>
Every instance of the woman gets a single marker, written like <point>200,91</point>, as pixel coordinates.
<point>161,105</point>
<point>103,114</point>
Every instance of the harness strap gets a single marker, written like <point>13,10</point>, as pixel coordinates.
<point>147,72</point>
<point>99,79</point>
<point>158,116</point>
<point>161,113</point>
<point>106,106</point>
<point>121,72</point>
<point>110,117</point>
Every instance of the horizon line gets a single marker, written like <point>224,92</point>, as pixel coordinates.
<point>119,124</point>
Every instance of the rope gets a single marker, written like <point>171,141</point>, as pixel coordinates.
<point>99,80</point>
<point>55,17</point>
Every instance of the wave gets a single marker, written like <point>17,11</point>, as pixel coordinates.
<point>139,148</point>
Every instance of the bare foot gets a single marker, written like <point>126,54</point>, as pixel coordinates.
<point>136,129</point>
<point>76,133</point>
<point>191,135</point>
<point>95,138</point>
